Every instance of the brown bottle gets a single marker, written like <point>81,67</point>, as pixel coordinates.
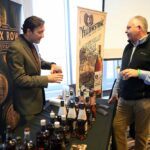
<point>71,118</point>
<point>43,139</point>
<point>82,122</point>
<point>19,143</point>
<point>88,111</point>
<point>2,145</point>
<point>98,74</point>
<point>93,104</point>
<point>62,110</point>
<point>57,139</point>
<point>50,125</point>
<point>65,129</point>
<point>10,142</point>
<point>28,143</point>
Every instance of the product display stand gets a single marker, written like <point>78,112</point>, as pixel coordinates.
<point>98,136</point>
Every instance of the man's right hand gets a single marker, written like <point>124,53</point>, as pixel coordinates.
<point>55,77</point>
<point>113,99</point>
<point>56,69</point>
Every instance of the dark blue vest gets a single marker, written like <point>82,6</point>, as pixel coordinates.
<point>135,88</point>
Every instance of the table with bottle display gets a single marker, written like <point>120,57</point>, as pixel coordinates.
<point>78,122</point>
<point>97,137</point>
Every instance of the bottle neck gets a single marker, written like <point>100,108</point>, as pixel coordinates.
<point>8,134</point>
<point>26,136</point>
<point>43,128</point>
<point>52,120</point>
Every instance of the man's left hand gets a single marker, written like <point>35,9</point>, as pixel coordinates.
<point>128,73</point>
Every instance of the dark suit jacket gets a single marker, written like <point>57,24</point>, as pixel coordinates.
<point>28,83</point>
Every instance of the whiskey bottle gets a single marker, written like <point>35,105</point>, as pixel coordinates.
<point>82,122</point>
<point>62,110</point>
<point>57,139</point>
<point>82,98</point>
<point>10,141</point>
<point>9,134</point>
<point>28,143</point>
<point>11,145</point>
<point>50,125</point>
<point>98,74</point>
<point>43,139</point>
<point>93,104</point>
<point>2,145</point>
<point>71,118</point>
<point>88,111</point>
<point>65,129</point>
<point>77,105</point>
<point>19,144</point>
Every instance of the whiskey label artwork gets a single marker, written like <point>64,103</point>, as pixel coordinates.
<point>90,39</point>
<point>10,17</point>
<point>86,67</point>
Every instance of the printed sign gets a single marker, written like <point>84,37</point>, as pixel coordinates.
<point>9,22</point>
<point>90,41</point>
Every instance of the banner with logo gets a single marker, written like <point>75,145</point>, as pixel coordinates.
<point>90,43</point>
<point>10,19</point>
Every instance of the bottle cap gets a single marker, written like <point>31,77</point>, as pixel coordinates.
<point>76,99</point>
<point>52,114</point>
<point>71,92</point>
<point>62,103</point>
<point>56,124</point>
<point>27,130</point>
<point>43,122</point>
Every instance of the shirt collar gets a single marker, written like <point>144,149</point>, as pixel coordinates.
<point>28,43</point>
<point>140,41</point>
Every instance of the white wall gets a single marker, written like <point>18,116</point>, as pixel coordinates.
<point>118,14</point>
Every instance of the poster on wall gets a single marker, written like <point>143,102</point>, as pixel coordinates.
<point>90,43</point>
<point>10,19</point>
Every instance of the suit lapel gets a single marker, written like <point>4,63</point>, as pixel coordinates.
<point>30,54</point>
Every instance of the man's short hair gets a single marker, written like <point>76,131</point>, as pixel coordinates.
<point>32,23</point>
<point>143,22</point>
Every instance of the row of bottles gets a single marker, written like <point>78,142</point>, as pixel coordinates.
<point>53,139</point>
<point>53,135</point>
<point>73,120</point>
<point>16,143</point>
<point>50,137</point>
<point>80,111</point>
<point>86,96</point>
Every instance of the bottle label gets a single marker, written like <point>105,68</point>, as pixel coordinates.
<point>82,115</point>
<point>62,111</point>
<point>97,80</point>
<point>71,113</point>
